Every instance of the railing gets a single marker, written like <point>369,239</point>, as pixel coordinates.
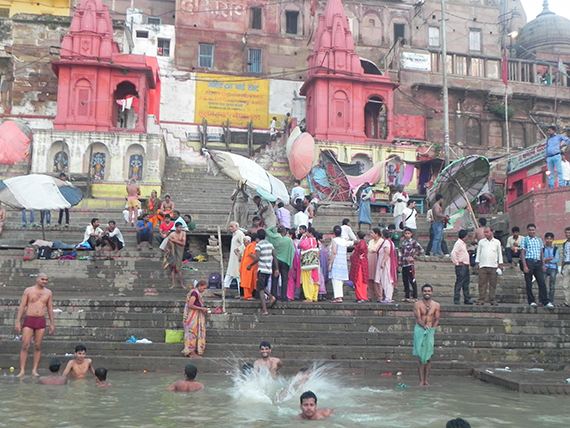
<point>523,71</point>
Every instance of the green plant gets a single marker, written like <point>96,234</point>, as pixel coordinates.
<point>499,110</point>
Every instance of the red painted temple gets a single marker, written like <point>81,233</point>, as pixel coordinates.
<point>99,88</point>
<point>348,99</point>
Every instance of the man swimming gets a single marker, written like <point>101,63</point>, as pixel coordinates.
<point>189,384</point>
<point>271,364</point>
<point>427,312</point>
<point>79,367</point>
<point>101,377</point>
<point>54,378</point>
<point>309,409</point>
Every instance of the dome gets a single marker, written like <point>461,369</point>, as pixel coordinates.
<point>547,33</point>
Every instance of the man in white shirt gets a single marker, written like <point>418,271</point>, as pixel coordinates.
<point>113,238</point>
<point>93,234</point>
<point>489,258</point>
<point>408,219</point>
<point>300,219</point>
<point>460,258</point>
<point>347,233</point>
<point>297,193</point>
<point>565,172</point>
<point>513,248</point>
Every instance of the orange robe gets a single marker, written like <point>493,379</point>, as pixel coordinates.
<point>248,278</point>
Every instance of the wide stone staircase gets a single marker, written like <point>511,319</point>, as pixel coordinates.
<point>102,303</point>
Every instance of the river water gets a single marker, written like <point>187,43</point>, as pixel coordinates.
<point>139,400</point>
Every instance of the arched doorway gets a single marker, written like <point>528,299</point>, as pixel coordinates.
<point>126,98</point>
<point>375,119</point>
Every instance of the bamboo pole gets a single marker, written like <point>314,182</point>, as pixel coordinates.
<point>222,270</point>
<point>475,222</point>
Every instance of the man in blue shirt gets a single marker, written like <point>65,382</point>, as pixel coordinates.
<point>144,232</point>
<point>551,262</point>
<point>554,143</point>
<point>532,256</point>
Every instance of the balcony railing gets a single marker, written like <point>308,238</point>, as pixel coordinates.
<point>523,71</point>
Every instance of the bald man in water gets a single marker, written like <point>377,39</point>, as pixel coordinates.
<point>35,301</point>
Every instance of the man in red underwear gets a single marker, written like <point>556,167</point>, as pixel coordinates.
<point>35,301</point>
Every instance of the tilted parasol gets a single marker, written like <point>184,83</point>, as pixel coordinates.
<point>39,192</point>
<point>300,153</point>
<point>244,170</point>
<point>460,182</point>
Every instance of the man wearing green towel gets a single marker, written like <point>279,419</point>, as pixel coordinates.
<point>427,314</point>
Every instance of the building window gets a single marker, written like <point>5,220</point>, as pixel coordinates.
<point>163,47</point>
<point>153,21</point>
<point>399,32</point>
<point>142,34</point>
<point>475,40</point>
<point>372,22</point>
<point>433,33</point>
<point>291,21</point>
<point>254,60</point>
<point>206,55</point>
<point>255,18</point>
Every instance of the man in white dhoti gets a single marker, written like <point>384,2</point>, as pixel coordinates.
<point>236,249</point>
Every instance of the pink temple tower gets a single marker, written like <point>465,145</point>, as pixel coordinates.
<point>100,89</point>
<point>348,99</point>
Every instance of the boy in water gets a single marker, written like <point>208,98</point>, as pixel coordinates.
<point>189,384</point>
<point>101,377</point>
<point>272,364</point>
<point>79,367</point>
<point>309,409</point>
<point>54,378</point>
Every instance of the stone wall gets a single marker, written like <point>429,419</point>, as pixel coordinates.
<point>547,208</point>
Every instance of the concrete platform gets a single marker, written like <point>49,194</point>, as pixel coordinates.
<point>528,380</point>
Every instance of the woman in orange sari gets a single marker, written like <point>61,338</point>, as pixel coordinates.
<point>194,321</point>
<point>248,278</point>
<point>153,206</point>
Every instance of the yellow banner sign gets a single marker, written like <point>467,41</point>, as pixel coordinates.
<point>239,99</point>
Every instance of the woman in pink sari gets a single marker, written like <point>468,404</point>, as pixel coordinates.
<point>373,247</point>
<point>194,321</point>
<point>386,270</point>
<point>294,280</point>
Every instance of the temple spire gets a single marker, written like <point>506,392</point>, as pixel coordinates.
<point>545,9</point>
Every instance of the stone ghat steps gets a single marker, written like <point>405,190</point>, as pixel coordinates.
<point>161,317</point>
<point>357,343</point>
<point>398,351</point>
<point>83,324</point>
<point>231,363</point>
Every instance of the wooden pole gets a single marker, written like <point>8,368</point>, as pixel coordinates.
<point>475,222</point>
<point>222,270</point>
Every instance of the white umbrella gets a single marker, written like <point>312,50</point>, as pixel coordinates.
<point>244,170</point>
<point>39,192</point>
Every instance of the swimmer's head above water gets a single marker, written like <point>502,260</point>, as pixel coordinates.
<point>190,371</point>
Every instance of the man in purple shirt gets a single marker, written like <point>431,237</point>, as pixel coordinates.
<point>553,154</point>
<point>283,216</point>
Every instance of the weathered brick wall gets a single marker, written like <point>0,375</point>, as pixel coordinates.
<point>549,209</point>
